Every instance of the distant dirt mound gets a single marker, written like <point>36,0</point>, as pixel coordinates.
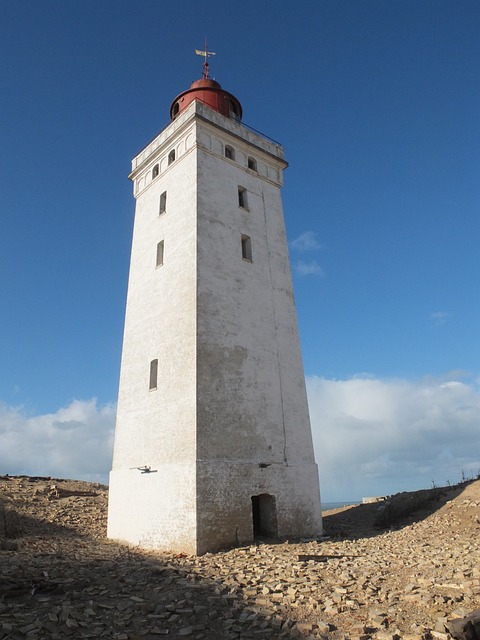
<point>404,508</point>
<point>398,507</point>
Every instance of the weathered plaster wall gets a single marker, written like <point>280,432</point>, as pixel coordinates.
<point>224,506</point>
<point>154,510</point>
<point>252,406</point>
<point>157,428</point>
<point>251,380</point>
<point>159,425</point>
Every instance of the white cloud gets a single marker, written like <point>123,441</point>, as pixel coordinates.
<point>306,241</point>
<point>310,268</point>
<point>74,442</point>
<point>440,317</point>
<point>375,437</point>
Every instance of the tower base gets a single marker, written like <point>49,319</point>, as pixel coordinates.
<point>208,506</point>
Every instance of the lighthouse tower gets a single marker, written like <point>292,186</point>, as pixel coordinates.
<point>213,445</point>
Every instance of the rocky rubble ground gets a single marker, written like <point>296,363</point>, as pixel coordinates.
<point>60,577</point>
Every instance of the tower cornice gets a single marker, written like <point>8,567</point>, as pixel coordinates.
<point>273,150</point>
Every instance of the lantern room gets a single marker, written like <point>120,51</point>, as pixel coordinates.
<point>210,93</point>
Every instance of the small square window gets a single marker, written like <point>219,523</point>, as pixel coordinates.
<point>153,374</point>
<point>163,202</point>
<point>160,252</point>
<point>155,171</point>
<point>242,198</point>
<point>252,164</point>
<point>171,156</point>
<point>229,152</point>
<point>247,248</point>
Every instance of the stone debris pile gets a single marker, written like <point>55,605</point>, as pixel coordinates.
<point>65,580</point>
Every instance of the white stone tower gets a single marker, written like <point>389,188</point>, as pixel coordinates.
<point>213,445</point>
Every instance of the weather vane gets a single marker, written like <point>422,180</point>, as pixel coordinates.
<point>205,54</point>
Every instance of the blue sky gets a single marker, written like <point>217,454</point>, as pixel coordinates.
<point>377,106</point>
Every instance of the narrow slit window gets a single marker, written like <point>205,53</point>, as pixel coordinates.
<point>229,152</point>
<point>247,248</point>
<point>252,164</point>
<point>242,198</point>
<point>155,171</point>
<point>160,253</point>
<point>163,202</point>
<point>153,374</point>
<point>171,156</point>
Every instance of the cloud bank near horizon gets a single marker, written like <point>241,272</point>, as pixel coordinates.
<point>74,442</point>
<point>372,436</point>
<point>379,437</point>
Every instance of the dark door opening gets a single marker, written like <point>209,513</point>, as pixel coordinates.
<point>264,512</point>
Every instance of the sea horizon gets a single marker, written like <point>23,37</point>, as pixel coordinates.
<point>327,506</point>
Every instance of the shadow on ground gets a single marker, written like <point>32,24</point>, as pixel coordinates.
<point>62,582</point>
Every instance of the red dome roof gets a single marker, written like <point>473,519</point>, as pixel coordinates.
<point>210,93</point>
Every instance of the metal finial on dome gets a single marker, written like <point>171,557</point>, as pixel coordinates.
<point>206,53</point>
<point>209,92</point>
